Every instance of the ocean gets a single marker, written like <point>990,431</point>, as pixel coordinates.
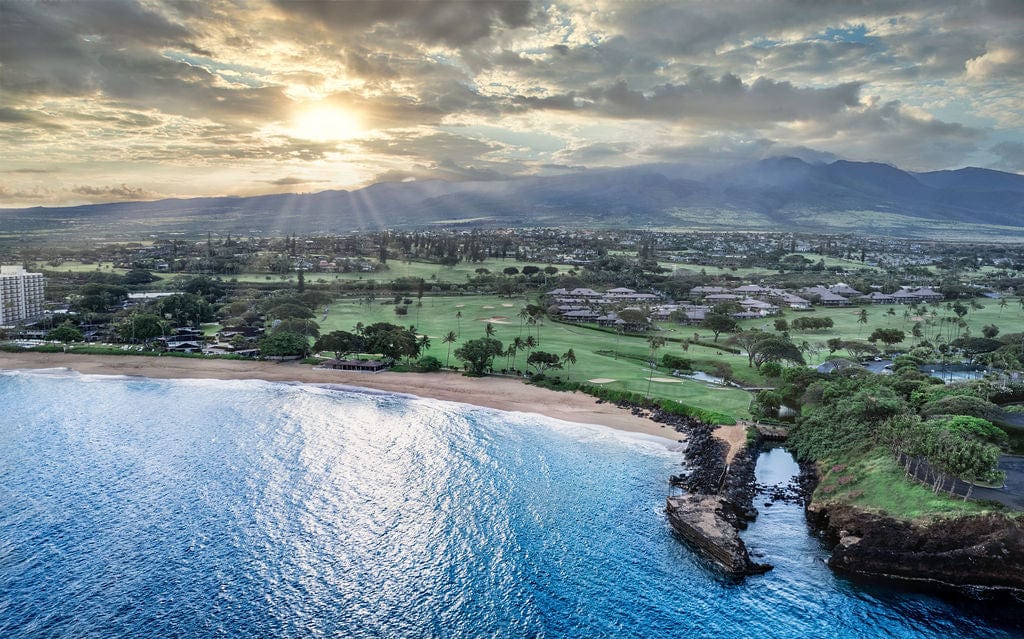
<point>193,508</point>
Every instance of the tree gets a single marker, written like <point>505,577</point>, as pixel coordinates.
<point>67,332</point>
<point>862,319</point>
<point>341,343</point>
<point>857,349</point>
<point>887,336</point>
<point>510,271</point>
<point>990,331</point>
<point>530,343</point>
<point>654,342</point>
<point>449,339</point>
<point>479,353</point>
<point>138,276</point>
<point>569,357</point>
<point>184,308</point>
<point>542,361</point>
<point>393,342</point>
<point>489,330</point>
<point>747,340</point>
<point>203,286</point>
<point>776,349</point>
<point>304,327</point>
<point>290,309</point>
<point>282,344</point>
<point>458,323</point>
<point>141,326</point>
<point>781,325</point>
<point>719,323</point>
<point>518,344</point>
<point>301,285</point>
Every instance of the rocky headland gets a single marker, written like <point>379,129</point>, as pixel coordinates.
<point>979,556</point>
<point>717,503</point>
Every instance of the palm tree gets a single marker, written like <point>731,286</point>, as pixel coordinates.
<point>569,357</point>
<point>529,344</point>
<point>517,345</point>
<point>423,342</point>
<point>458,319</point>
<point>654,342</point>
<point>359,328</point>
<point>523,314</point>
<point>1002,304</point>
<point>862,319</point>
<point>449,339</point>
<point>489,330</point>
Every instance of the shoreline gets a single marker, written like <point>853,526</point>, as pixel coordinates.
<point>497,393</point>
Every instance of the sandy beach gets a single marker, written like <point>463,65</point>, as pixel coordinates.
<point>491,392</point>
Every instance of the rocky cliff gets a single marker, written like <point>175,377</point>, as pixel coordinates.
<point>978,555</point>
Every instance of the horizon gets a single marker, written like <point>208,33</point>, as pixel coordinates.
<point>119,100</point>
<point>452,181</point>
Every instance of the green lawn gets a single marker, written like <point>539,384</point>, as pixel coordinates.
<point>594,350</point>
<point>847,326</point>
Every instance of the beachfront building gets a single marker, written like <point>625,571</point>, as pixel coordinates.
<point>21,295</point>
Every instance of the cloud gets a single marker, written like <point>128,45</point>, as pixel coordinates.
<point>702,98</point>
<point>455,90</point>
<point>1002,60</point>
<point>291,181</point>
<point>449,22</point>
<point>116,192</point>
<point>1011,156</point>
<point>892,133</point>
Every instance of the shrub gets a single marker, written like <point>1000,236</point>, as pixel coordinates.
<point>674,361</point>
<point>428,364</point>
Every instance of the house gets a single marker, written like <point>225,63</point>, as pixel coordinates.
<point>878,297</point>
<point>355,365</point>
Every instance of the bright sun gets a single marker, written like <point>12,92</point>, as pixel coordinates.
<point>324,124</point>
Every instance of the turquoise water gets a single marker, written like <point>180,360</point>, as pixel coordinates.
<point>138,508</point>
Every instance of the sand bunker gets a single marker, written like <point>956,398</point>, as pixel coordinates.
<point>487,307</point>
<point>508,305</point>
<point>494,320</point>
<point>667,380</point>
<point>459,305</point>
<point>602,380</point>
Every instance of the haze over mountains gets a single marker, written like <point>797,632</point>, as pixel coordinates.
<point>780,194</point>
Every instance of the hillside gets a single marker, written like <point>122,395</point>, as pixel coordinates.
<point>772,194</point>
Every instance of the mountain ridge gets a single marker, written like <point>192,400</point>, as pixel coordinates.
<point>780,193</point>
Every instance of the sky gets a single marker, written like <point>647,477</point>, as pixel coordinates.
<point>110,100</point>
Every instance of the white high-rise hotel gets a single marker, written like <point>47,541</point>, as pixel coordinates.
<point>21,294</point>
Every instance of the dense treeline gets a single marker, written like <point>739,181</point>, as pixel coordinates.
<point>936,432</point>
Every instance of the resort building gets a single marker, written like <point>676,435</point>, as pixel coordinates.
<point>21,294</point>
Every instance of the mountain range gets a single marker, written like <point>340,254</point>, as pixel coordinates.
<point>772,194</point>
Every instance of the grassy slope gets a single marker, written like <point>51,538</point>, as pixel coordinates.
<point>873,481</point>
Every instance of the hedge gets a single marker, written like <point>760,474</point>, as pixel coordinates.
<point>668,405</point>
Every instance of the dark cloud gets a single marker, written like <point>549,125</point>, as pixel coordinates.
<point>1011,156</point>
<point>291,181</point>
<point>116,192</point>
<point>704,98</point>
<point>451,22</point>
<point>27,117</point>
<point>887,132</point>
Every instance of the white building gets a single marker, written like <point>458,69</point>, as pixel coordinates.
<point>21,294</point>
